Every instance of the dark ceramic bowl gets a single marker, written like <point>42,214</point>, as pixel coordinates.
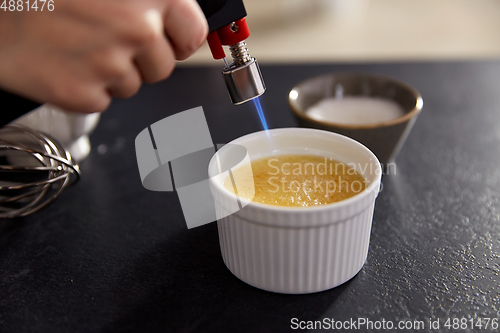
<point>385,138</point>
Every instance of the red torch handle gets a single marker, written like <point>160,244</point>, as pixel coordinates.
<point>228,35</point>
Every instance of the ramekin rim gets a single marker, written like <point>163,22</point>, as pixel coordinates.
<point>373,187</point>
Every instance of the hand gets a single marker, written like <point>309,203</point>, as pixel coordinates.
<point>83,53</point>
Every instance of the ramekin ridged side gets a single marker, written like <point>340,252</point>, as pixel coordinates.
<point>295,260</point>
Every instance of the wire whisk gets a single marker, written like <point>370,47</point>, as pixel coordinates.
<point>34,169</point>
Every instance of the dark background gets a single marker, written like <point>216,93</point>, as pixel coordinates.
<point>110,256</point>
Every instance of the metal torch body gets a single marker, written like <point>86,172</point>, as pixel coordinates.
<point>227,26</point>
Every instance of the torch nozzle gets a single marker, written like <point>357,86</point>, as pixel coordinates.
<point>243,77</point>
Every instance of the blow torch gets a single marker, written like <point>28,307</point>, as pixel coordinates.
<point>228,26</point>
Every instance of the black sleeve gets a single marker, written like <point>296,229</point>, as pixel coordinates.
<point>13,106</point>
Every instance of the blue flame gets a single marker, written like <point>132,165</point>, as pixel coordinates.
<point>256,102</point>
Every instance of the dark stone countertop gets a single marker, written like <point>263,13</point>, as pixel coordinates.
<point>110,256</point>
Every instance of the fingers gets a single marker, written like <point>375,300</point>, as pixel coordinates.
<point>159,35</point>
<point>185,26</point>
<point>139,42</point>
<point>186,29</point>
<point>114,67</point>
<point>79,97</point>
<point>127,86</point>
<point>156,61</point>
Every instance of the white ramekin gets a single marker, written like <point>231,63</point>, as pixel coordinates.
<point>297,250</point>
